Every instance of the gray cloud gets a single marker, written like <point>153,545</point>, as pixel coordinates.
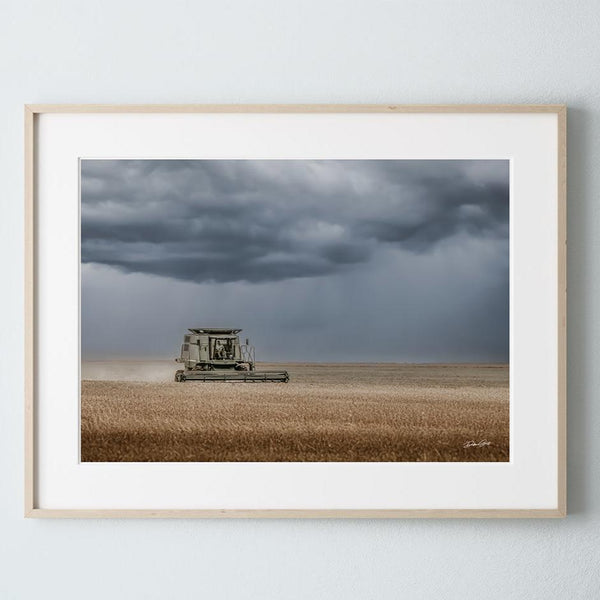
<point>257,221</point>
<point>315,260</point>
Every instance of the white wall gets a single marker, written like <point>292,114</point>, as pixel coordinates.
<point>312,51</point>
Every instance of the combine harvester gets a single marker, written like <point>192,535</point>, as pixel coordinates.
<point>215,354</point>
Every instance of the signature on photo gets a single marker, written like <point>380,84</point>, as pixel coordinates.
<point>474,444</point>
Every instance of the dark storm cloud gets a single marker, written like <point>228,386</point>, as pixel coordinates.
<point>478,210</point>
<point>258,221</point>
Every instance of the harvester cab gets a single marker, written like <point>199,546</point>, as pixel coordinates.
<point>216,354</point>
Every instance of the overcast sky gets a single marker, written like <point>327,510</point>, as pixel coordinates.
<point>366,260</point>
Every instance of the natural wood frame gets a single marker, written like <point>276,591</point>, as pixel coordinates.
<point>32,110</point>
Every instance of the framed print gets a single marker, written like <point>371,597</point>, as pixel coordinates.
<point>295,311</point>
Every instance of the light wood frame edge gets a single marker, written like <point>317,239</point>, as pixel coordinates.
<point>294,513</point>
<point>30,320</point>
<point>562,309</point>
<point>31,110</point>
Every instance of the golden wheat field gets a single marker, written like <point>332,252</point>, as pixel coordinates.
<point>132,411</point>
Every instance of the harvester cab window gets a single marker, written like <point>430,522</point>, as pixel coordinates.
<point>222,349</point>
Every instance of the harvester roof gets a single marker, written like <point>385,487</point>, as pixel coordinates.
<point>217,330</point>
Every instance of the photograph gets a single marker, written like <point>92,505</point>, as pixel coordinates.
<point>294,310</point>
